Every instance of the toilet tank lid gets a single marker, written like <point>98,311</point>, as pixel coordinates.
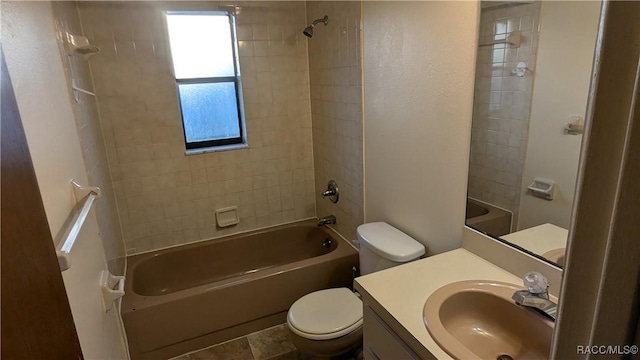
<point>389,242</point>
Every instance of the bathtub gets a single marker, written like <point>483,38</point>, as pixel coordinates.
<point>188,297</point>
<point>487,218</point>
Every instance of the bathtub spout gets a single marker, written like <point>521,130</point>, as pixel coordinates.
<point>327,220</point>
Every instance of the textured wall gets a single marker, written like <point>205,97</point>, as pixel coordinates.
<point>335,73</point>
<point>502,105</point>
<point>418,96</point>
<point>166,198</point>
<point>34,63</point>
<point>76,69</point>
<point>562,87</point>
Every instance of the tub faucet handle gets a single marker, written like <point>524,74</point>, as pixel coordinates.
<point>329,192</point>
<point>332,192</point>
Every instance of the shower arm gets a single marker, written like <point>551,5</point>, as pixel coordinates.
<point>324,20</point>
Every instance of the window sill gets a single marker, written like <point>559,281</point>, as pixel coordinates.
<point>216,149</point>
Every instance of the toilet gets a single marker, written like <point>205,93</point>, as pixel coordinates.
<point>328,323</point>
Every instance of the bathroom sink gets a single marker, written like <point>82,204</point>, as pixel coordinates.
<point>556,255</point>
<point>478,320</point>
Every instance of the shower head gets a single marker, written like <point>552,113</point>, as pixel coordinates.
<point>308,31</point>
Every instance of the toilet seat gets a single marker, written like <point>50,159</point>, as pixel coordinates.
<point>326,314</point>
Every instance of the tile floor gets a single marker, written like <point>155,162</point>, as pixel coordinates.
<point>269,344</point>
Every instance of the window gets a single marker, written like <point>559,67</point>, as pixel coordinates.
<point>205,65</point>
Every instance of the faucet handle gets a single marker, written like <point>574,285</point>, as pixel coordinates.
<point>329,192</point>
<point>332,192</point>
<point>536,283</point>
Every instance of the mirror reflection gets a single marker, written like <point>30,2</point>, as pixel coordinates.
<point>533,72</point>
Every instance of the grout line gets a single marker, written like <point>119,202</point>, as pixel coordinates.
<point>235,339</point>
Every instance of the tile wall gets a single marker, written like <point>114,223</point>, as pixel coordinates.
<point>502,106</point>
<point>91,137</point>
<point>166,198</point>
<point>335,71</point>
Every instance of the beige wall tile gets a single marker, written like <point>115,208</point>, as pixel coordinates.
<point>335,74</point>
<point>169,198</point>
<point>502,107</point>
<point>93,140</point>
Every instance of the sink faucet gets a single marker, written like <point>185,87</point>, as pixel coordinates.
<point>537,295</point>
<point>327,220</point>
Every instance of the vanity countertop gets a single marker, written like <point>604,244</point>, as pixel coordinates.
<point>539,239</point>
<point>403,290</point>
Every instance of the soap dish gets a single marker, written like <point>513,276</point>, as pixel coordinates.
<point>542,188</point>
<point>227,216</point>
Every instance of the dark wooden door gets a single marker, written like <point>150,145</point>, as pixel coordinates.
<point>36,318</point>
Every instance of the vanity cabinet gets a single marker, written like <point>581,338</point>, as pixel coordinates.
<point>381,342</point>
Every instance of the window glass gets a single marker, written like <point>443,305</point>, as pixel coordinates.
<point>207,78</point>
<point>201,46</point>
<point>209,111</point>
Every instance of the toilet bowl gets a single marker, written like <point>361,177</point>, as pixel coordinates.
<point>328,323</point>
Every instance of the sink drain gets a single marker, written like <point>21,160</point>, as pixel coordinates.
<point>504,357</point>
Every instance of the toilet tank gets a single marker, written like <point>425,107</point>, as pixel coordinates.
<point>382,246</point>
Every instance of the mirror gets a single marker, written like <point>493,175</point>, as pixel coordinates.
<point>533,72</point>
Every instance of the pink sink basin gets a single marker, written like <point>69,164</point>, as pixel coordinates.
<point>478,320</point>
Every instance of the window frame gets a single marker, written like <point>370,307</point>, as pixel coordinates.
<point>218,144</point>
